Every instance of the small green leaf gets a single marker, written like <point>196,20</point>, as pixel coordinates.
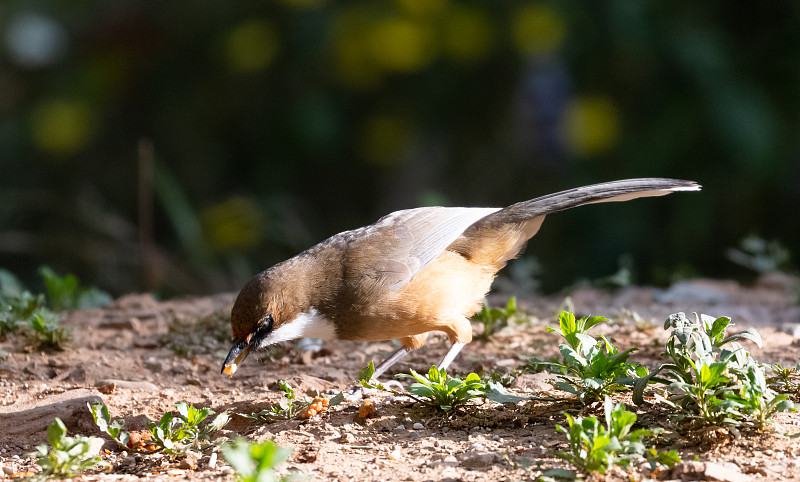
<point>718,327</point>
<point>183,410</point>
<point>367,372</point>
<point>567,387</point>
<point>561,474</point>
<point>56,431</point>
<point>473,378</point>
<point>220,421</point>
<point>748,334</point>
<point>336,400</point>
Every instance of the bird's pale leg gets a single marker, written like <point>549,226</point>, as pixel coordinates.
<point>451,355</point>
<point>391,360</point>
<point>355,392</point>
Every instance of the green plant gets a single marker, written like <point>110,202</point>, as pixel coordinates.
<point>759,255</point>
<point>16,304</point>
<point>255,462</point>
<point>437,389</point>
<point>707,396</point>
<point>172,434</point>
<point>785,379</point>
<point>501,379</point>
<point>594,447</point>
<point>591,368</point>
<point>288,407</point>
<point>713,383</point>
<point>178,434</point>
<point>47,330</point>
<point>757,400</point>
<point>20,308</point>
<point>67,456</point>
<point>441,391</point>
<point>102,418</point>
<point>16,309</point>
<point>495,319</point>
<point>701,340</point>
<point>66,293</point>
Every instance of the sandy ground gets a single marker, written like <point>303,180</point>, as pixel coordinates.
<point>140,356</point>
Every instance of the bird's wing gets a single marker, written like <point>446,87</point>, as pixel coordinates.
<point>404,242</point>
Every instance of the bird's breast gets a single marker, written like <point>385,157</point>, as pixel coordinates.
<point>448,289</point>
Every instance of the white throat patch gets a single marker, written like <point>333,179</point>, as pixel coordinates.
<point>307,325</point>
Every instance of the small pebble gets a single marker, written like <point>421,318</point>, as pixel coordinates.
<point>400,427</point>
<point>348,438</point>
<point>212,460</point>
<point>418,426</point>
<point>414,435</point>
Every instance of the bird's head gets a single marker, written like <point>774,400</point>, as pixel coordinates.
<point>252,321</point>
<point>278,305</point>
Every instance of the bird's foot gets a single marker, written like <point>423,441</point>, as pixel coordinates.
<point>357,392</point>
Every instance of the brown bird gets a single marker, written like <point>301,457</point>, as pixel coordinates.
<point>410,273</point>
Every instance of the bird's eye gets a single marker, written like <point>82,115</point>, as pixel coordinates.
<point>264,326</point>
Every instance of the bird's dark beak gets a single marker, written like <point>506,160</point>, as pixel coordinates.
<point>241,348</point>
<point>238,353</point>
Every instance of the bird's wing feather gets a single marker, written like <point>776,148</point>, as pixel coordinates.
<point>409,240</point>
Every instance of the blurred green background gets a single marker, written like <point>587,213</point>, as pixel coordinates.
<point>179,147</point>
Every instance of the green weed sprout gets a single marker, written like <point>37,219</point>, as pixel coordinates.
<point>591,368</point>
<point>67,456</point>
<point>255,462</point>
<point>594,447</point>
<point>757,401</point>
<point>172,434</point>
<point>441,391</point>
<point>785,379</point>
<point>47,330</point>
<point>20,308</point>
<point>16,309</point>
<point>66,293</point>
<point>289,406</point>
<point>178,434</point>
<point>495,319</point>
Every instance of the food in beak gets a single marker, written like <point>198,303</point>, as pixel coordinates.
<point>235,358</point>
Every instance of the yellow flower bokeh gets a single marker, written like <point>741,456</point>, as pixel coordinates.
<point>590,125</point>
<point>538,30</point>
<point>232,225</point>
<point>384,137</point>
<point>468,34</point>
<point>400,45</point>
<point>423,8</point>
<point>251,46</point>
<point>62,126</point>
